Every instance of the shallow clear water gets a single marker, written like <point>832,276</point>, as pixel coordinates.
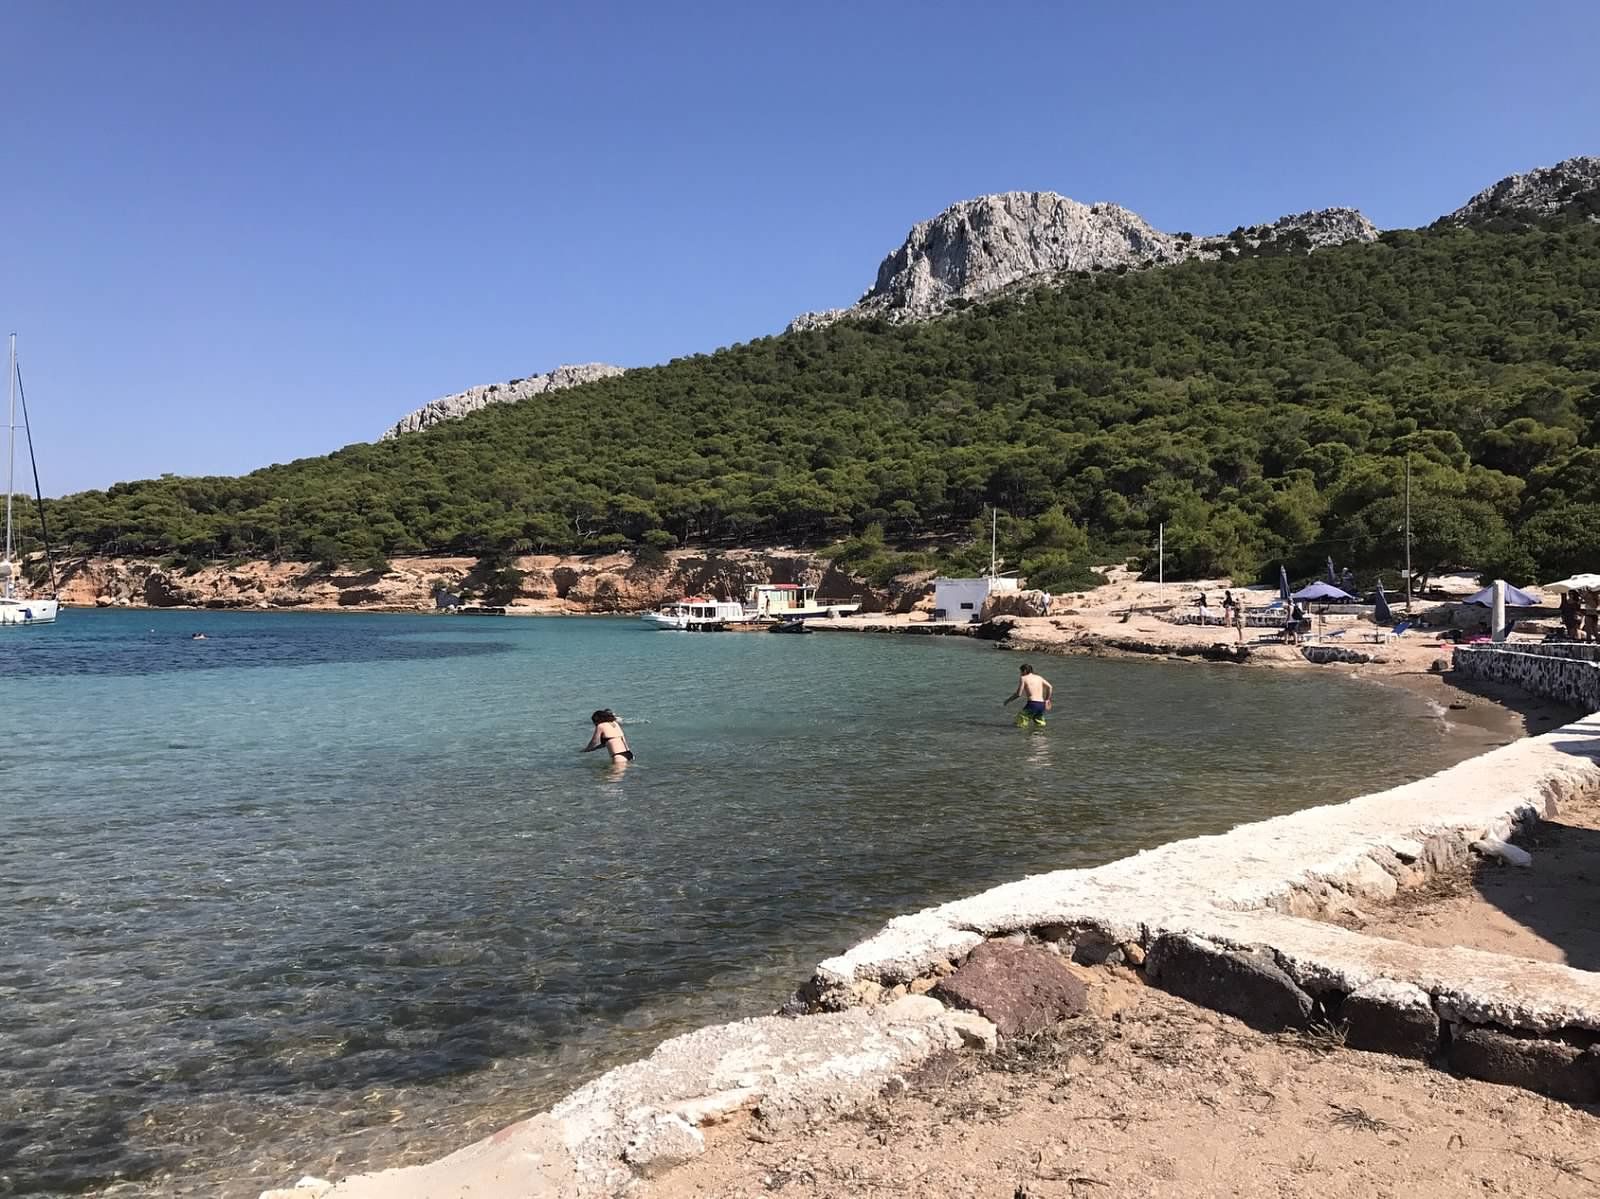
<point>327,891</point>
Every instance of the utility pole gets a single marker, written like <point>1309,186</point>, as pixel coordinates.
<point>994,533</point>
<point>1408,534</point>
<point>1161,559</point>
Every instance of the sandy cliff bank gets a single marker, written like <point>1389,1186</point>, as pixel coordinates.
<point>548,583</point>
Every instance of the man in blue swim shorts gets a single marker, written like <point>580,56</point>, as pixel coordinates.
<point>1035,692</point>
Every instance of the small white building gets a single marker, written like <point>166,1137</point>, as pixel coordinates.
<point>961,600</point>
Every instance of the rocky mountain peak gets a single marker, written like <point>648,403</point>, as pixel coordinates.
<point>983,245</point>
<point>1572,185</point>
<point>1324,227</point>
<point>978,247</point>
<point>454,407</point>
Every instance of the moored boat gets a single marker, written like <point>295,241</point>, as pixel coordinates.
<point>696,613</point>
<point>766,605</point>
<point>14,609</point>
<point>792,601</point>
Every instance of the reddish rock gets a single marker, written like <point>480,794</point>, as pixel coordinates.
<point>1020,988</point>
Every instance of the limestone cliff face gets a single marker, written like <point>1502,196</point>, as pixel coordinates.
<point>980,247</point>
<point>1570,185</point>
<point>454,407</point>
<point>549,583</point>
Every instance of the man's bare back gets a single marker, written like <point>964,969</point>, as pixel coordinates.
<point>1035,692</point>
<point>1034,686</point>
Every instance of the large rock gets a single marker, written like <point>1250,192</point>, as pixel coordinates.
<point>1250,986</point>
<point>1021,989</point>
<point>1552,1067</point>
<point>1015,603</point>
<point>980,247</point>
<point>1569,186</point>
<point>454,407</point>
<point>1385,1016</point>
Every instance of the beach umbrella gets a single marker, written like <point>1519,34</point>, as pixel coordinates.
<point>1326,592</point>
<point>1380,607</point>
<point>1575,583</point>
<point>1283,582</point>
<point>1515,598</point>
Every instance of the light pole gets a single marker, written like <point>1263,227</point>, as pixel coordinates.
<point>1408,534</point>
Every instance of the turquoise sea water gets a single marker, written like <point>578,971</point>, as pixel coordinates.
<point>327,891</point>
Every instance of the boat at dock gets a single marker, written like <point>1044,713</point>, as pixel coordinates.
<point>697,614</point>
<point>14,609</point>
<point>793,601</point>
<point>766,606</point>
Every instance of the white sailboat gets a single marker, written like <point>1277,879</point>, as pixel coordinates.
<point>14,610</point>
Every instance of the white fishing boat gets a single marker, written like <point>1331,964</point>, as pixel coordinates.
<point>696,613</point>
<point>14,609</point>
<point>766,605</point>
<point>792,601</point>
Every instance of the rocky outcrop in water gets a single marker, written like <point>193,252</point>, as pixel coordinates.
<point>454,407</point>
<point>980,247</point>
<point>1570,187</point>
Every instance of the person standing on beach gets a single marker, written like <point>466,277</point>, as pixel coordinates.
<point>608,735</point>
<point>1035,692</point>
<point>1201,604</point>
<point>1571,615</point>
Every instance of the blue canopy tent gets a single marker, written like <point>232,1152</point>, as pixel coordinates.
<point>1515,598</point>
<point>1325,592</point>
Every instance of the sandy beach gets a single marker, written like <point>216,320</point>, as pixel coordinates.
<point>1172,1100</point>
<point>1154,1096</point>
<point>1158,1097</point>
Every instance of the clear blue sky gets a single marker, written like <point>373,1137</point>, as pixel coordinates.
<point>236,234</point>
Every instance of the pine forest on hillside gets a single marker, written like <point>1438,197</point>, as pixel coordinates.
<point>1261,408</point>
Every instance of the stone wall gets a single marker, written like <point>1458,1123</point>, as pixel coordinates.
<point>1568,673</point>
<point>1553,649</point>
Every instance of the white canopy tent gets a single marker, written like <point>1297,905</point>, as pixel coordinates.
<point>1575,583</point>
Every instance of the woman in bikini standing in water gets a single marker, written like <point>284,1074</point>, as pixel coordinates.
<point>608,735</point>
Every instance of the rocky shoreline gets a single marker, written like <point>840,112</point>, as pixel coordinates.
<point>528,584</point>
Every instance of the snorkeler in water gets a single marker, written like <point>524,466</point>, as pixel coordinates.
<point>608,735</point>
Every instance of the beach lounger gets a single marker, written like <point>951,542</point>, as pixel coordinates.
<point>1399,630</point>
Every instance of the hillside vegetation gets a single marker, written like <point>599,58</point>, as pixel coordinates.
<point>1261,407</point>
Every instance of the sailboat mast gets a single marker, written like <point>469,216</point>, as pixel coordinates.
<point>11,452</point>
